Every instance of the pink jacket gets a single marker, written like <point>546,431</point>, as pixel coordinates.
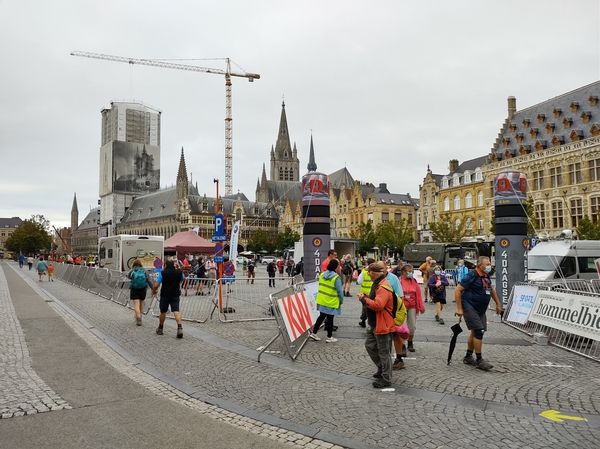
<point>413,299</point>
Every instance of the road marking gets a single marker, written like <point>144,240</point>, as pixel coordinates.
<point>388,389</point>
<point>556,416</point>
<point>551,365</point>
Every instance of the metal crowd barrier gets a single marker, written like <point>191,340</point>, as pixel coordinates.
<point>571,342</point>
<point>248,299</point>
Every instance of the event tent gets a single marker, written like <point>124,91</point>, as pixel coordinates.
<point>189,242</point>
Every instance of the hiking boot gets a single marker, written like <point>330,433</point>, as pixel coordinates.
<point>138,320</point>
<point>483,364</point>
<point>470,361</point>
<point>380,383</point>
<point>403,351</point>
<point>437,318</point>
<point>398,364</point>
<point>378,375</point>
<point>441,321</point>
<point>179,332</point>
<point>411,348</point>
<point>315,337</point>
<point>159,330</point>
<point>362,323</point>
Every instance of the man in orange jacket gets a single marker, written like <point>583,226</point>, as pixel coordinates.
<point>380,325</point>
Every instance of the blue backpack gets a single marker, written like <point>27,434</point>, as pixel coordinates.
<point>138,278</point>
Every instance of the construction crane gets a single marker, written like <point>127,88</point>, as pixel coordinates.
<point>228,118</point>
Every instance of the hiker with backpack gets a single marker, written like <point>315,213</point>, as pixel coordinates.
<point>437,284</point>
<point>347,270</point>
<point>413,301</point>
<point>140,282</point>
<point>380,306</point>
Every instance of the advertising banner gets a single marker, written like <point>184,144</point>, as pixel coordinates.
<point>522,303</point>
<point>128,167</point>
<point>295,311</point>
<point>311,289</point>
<point>576,314</point>
<point>233,243</point>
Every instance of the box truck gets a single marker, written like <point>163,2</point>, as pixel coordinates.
<point>119,251</point>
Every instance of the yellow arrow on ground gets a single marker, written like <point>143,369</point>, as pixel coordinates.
<point>555,416</point>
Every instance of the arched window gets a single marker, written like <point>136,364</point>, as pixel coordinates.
<point>446,204</point>
<point>480,199</point>
<point>457,202</point>
<point>469,224</point>
<point>457,223</point>
<point>238,215</point>
<point>468,200</point>
<point>480,224</point>
<point>280,173</point>
<point>425,198</point>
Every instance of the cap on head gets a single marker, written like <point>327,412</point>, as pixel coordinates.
<point>375,268</point>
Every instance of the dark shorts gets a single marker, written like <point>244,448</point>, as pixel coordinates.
<point>137,293</point>
<point>166,302</point>
<point>440,300</point>
<point>281,271</point>
<point>474,320</point>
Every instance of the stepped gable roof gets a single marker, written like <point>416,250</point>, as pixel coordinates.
<point>13,222</point>
<point>91,220</point>
<point>280,190</point>
<point>341,178</point>
<point>579,109</point>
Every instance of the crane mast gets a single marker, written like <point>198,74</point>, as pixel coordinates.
<point>228,116</point>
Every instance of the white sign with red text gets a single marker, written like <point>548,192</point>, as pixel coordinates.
<point>296,313</point>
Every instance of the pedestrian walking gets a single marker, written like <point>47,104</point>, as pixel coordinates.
<point>200,273</point>
<point>472,298</point>
<point>437,284</point>
<point>50,272</point>
<point>347,270</point>
<point>380,304</point>
<point>424,269</point>
<point>21,259</point>
<point>413,301</point>
<point>41,267</point>
<point>290,267</point>
<point>330,298</point>
<point>30,262</point>
<point>251,270</point>
<point>140,282</point>
<point>271,268</point>
<point>280,266</point>
<point>461,271</point>
<point>170,279</point>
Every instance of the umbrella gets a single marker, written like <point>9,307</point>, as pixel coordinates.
<point>456,329</point>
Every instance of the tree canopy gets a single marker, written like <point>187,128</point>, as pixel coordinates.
<point>394,236</point>
<point>31,237</point>
<point>446,229</point>
<point>588,230</point>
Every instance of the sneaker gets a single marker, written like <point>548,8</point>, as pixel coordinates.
<point>179,332</point>
<point>159,330</point>
<point>398,364</point>
<point>380,383</point>
<point>138,320</point>
<point>441,321</point>
<point>331,340</point>
<point>483,364</point>
<point>315,337</point>
<point>411,348</point>
<point>437,318</point>
<point>403,351</point>
<point>470,361</point>
<point>378,375</point>
<point>362,323</point>
<point>334,328</point>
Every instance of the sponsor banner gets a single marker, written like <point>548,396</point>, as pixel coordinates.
<point>311,289</point>
<point>576,314</point>
<point>233,243</point>
<point>522,303</point>
<point>511,254</point>
<point>295,311</point>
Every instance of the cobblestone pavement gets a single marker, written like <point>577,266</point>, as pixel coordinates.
<point>326,394</point>
<point>22,392</point>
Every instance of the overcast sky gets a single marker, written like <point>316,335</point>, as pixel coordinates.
<point>387,87</point>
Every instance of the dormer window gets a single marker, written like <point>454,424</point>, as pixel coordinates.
<point>557,112</point>
<point>534,132</point>
<point>593,100</point>
<point>541,118</point>
<point>550,128</point>
<point>204,206</point>
<point>508,154</point>
<point>540,145</point>
<point>523,149</point>
<point>512,127</point>
<point>505,142</point>
<point>576,135</point>
<point>574,106</point>
<point>478,176</point>
<point>519,137</point>
<point>466,178</point>
<point>444,183</point>
<point>586,116</point>
<point>595,130</point>
<point>526,123</point>
<point>456,181</point>
<point>567,123</point>
<point>558,141</point>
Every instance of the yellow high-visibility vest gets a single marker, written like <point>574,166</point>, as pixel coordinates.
<point>365,287</point>
<point>327,294</point>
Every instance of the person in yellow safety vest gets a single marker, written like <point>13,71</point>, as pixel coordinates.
<point>365,282</point>
<point>330,298</point>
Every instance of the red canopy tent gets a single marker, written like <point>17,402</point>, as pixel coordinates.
<point>189,242</point>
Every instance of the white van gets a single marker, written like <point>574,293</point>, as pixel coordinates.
<point>568,259</point>
<point>118,252</point>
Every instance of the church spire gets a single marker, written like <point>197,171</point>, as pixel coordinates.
<point>74,213</point>
<point>182,179</point>
<point>312,165</point>
<point>283,148</point>
<point>263,179</point>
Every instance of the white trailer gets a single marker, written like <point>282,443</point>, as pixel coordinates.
<point>119,251</point>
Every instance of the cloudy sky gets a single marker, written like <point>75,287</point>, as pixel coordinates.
<point>385,87</point>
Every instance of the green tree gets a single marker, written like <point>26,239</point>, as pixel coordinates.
<point>587,230</point>
<point>261,240</point>
<point>30,238</point>
<point>366,236</point>
<point>394,236</point>
<point>446,230</point>
<point>287,238</point>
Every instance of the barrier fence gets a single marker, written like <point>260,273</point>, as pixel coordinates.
<point>571,342</point>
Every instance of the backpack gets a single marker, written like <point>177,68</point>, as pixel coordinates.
<point>398,310</point>
<point>138,279</point>
<point>348,268</point>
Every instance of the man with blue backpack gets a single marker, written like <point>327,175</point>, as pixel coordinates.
<point>140,282</point>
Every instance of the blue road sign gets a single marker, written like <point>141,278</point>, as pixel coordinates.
<point>219,259</point>
<point>219,224</point>
<point>219,238</point>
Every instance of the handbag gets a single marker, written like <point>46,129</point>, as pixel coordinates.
<point>403,331</point>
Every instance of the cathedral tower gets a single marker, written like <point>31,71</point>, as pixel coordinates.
<point>285,165</point>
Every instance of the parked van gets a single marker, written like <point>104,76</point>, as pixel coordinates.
<point>563,259</point>
<point>118,252</point>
